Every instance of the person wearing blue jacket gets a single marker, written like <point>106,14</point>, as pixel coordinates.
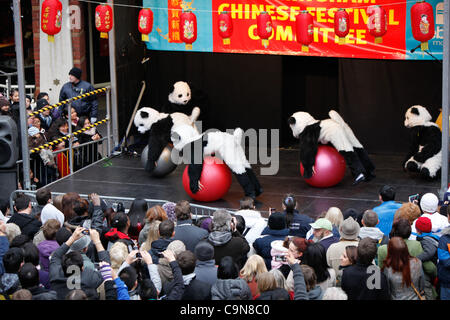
<point>85,107</point>
<point>4,245</point>
<point>276,230</point>
<point>386,210</point>
<point>443,266</point>
<point>298,223</point>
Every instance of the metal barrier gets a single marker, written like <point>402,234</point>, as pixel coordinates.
<point>72,158</point>
<point>46,173</point>
<point>7,87</point>
<point>196,210</point>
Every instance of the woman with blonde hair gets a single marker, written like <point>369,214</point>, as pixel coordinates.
<point>334,215</point>
<point>268,288</point>
<point>255,265</point>
<point>155,213</point>
<point>152,235</point>
<point>118,253</point>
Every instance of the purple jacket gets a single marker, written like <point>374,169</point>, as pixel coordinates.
<point>46,248</point>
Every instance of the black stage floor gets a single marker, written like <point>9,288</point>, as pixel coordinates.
<point>124,176</point>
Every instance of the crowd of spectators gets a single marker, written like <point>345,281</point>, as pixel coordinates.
<point>71,248</point>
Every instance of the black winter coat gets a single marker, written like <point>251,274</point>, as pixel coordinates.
<point>27,224</point>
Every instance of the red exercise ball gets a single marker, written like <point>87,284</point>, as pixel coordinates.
<point>215,178</point>
<point>330,168</point>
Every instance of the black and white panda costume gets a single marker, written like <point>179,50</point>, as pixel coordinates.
<point>224,145</point>
<point>425,154</point>
<point>334,130</point>
<point>182,98</point>
<point>160,126</point>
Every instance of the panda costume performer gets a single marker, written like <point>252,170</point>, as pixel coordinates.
<point>424,155</point>
<point>160,126</point>
<point>184,99</point>
<point>334,130</point>
<point>224,145</point>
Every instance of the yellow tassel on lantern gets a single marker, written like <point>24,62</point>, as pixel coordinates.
<point>51,38</point>
<point>188,46</point>
<point>424,46</point>
<point>265,43</point>
<point>145,37</point>
<point>378,40</point>
<point>341,40</point>
<point>226,41</point>
<point>104,35</point>
<point>305,48</point>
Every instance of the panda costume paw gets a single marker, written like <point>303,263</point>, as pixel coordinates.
<point>424,155</point>
<point>224,145</point>
<point>336,131</point>
<point>160,125</point>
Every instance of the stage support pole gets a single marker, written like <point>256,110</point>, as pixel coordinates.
<point>113,78</point>
<point>21,83</point>
<point>445,101</point>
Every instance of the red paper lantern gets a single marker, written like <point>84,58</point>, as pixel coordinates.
<point>51,18</point>
<point>377,22</point>
<point>188,25</point>
<point>304,25</point>
<point>103,19</point>
<point>225,26</point>
<point>422,23</point>
<point>264,27</point>
<point>341,24</point>
<point>145,23</point>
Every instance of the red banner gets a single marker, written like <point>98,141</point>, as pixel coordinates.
<point>358,42</point>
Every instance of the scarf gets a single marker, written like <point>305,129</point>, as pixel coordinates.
<point>218,238</point>
<point>115,234</point>
<point>90,132</point>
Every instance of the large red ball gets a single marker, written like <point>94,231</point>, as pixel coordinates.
<point>215,178</point>
<point>329,167</point>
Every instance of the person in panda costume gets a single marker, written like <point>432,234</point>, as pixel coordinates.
<point>160,125</point>
<point>424,155</point>
<point>224,145</point>
<point>336,131</point>
<point>182,98</point>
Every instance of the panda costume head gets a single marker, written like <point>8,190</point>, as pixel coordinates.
<point>417,116</point>
<point>145,117</point>
<point>299,121</point>
<point>181,93</point>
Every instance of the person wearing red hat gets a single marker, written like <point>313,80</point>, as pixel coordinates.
<point>428,240</point>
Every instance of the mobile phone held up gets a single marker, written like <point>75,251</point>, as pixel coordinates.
<point>272,210</point>
<point>413,198</point>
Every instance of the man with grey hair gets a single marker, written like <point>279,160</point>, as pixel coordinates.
<point>369,229</point>
<point>226,240</point>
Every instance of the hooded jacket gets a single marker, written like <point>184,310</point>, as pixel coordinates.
<point>49,211</point>
<point>231,289</point>
<point>371,232</point>
<point>206,271</point>
<point>39,293</point>
<point>9,283</point>
<point>262,245</point>
<point>300,292</point>
<point>27,224</point>
<point>443,266</point>
<point>276,294</point>
<point>46,248</point>
<point>158,246</point>
<point>254,224</point>
<point>229,244</point>
<point>386,212</point>
<point>90,279</point>
<point>430,244</point>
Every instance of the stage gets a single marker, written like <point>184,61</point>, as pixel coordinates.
<point>124,176</point>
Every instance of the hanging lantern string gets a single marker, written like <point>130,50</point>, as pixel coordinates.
<point>236,11</point>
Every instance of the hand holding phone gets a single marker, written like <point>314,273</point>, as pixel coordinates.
<point>413,198</point>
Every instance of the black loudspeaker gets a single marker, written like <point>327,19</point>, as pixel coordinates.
<point>9,142</point>
<point>8,183</point>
